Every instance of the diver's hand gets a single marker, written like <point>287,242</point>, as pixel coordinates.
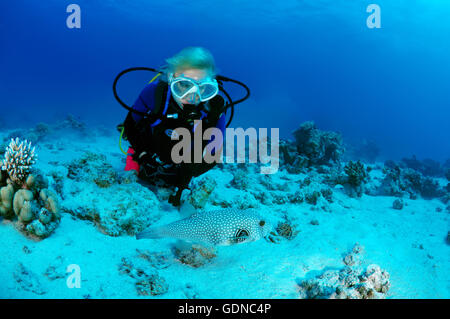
<point>174,199</point>
<point>143,158</point>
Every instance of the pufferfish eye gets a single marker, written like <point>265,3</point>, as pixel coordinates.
<point>240,236</point>
<point>262,223</point>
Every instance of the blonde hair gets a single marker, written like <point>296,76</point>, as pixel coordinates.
<point>191,58</point>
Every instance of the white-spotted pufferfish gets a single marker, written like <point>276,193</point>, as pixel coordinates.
<point>218,227</point>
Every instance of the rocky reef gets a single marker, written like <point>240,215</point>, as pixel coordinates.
<point>317,202</point>
<point>114,201</point>
<point>407,182</point>
<point>320,147</point>
<point>356,176</point>
<point>350,282</point>
<point>290,159</point>
<point>353,178</point>
<point>312,147</point>
<point>92,168</point>
<point>313,169</point>
<point>426,167</point>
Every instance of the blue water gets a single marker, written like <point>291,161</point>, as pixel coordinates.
<point>303,60</point>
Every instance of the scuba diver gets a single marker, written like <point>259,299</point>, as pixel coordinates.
<point>185,90</point>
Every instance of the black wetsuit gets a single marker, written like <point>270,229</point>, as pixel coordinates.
<point>150,136</point>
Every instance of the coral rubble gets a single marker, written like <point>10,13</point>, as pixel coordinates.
<point>398,204</point>
<point>147,281</point>
<point>92,167</point>
<point>287,229</point>
<point>196,255</point>
<point>349,282</point>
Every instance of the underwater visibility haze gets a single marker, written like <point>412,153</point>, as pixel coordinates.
<point>358,207</point>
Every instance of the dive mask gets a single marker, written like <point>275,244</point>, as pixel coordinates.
<point>191,90</point>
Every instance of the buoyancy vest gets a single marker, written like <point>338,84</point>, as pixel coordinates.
<point>153,134</point>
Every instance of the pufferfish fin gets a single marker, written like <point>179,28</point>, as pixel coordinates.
<point>151,233</point>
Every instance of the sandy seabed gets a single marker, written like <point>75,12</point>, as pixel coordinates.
<point>410,244</point>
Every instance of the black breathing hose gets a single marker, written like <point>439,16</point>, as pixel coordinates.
<point>115,89</point>
<point>219,78</point>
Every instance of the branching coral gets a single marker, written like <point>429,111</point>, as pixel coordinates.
<point>19,158</point>
<point>356,173</point>
<point>356,176</point>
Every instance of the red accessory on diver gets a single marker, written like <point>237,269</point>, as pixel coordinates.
<point>131,164</point>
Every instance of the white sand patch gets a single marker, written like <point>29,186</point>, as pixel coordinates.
<point>408,243</point>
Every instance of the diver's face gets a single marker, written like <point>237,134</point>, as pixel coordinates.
<point>195,74</point>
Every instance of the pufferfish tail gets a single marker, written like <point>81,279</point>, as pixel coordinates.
<point>151,233</point>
